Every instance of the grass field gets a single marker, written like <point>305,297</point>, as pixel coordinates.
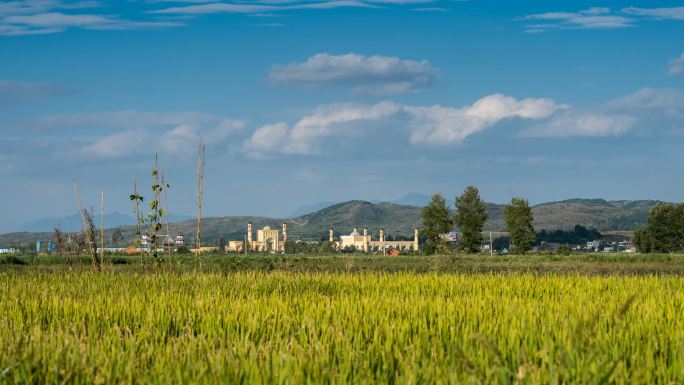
<point>286,324</point>
<point>585,264</point>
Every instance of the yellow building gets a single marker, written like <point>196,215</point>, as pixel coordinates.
<point>364,242</point>
<point>267,240</point>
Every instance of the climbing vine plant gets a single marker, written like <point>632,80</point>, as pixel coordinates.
<point>155,215</point>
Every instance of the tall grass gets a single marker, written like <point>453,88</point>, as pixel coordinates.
<point>253,327</point>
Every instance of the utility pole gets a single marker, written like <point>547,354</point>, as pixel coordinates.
<point>491,245</point>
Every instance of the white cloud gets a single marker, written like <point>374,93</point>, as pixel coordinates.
<point>439,125</point>
<point>119,144</point>
<point>136,132</point>
<point>591,18</point>
<point>649,99</point>
<point>274,6</point>
<point>179,139</point>
<point>676,66</point>
<point>675,13</point>
<point>366,74</point>
<point>599,18</point>
<point>36,17</point>
<point>266,139</point>
<point>424,126</point>
<point>240,7</point>
<point>645,112</point>
<point>331,120</point>
<point>577,124</point>
<point>37,6</point>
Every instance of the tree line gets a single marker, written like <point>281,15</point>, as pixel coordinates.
<point>664,232</point>
<point>469,218</point>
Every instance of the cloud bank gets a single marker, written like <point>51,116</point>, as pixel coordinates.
<point>598,18</point>
<point>137,132</point>
<point>676,66</point>
<point>380,75</point>
<point>41,17</point>
<point>435,126</point>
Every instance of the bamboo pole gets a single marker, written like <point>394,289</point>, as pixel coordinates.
<point>138,228</point>
<point>157,198</point>
<point>166,213</point>
<point>200,177</point>
<point>83,218</point>
<point>80,205</point>
<point>102,241</point>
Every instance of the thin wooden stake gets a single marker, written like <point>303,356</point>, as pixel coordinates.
<point>80,205</point>
<point>166,212</point>
<point>200,177</point>
<point>83,218</point>
<point>102,241</point>
<point>491,245</point>
<point>138,228</point>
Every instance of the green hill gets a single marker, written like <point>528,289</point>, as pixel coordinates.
<point>396,220</point>
<point>393,218</point>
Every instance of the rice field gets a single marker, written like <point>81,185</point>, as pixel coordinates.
<point>321,328</point>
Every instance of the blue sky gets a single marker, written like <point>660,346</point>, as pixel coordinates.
<point>302,101</point>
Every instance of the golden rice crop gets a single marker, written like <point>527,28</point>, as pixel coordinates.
<point>281,328</point>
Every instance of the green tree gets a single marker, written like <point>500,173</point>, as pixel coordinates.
<point>518,217</point>
<point>564,249</point>
<point>436,222</point>
<point>664,232</point>
<point>221,245</point>
<point>471,215</point>
<point>117,237</point>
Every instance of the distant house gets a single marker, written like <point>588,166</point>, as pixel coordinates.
<point>45,246</point>
<point>163,240</point>
<point>7,250</point>
<point>112,249</point>
<point>365,242</point>
<point>594,245</point>
<point>452,236</point>
<point>180,240</point>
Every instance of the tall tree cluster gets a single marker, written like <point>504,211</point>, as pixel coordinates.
<point>470,217</point>
<point>664,232</point>
<point>518,218</point>
<point>436,222</point>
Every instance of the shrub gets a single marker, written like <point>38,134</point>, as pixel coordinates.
<point>12,260</point>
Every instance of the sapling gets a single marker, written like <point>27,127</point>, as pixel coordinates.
<point>140,221</point>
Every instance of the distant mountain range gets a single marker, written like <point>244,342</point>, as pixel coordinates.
<point>74,222</point>
<point>395,219</point>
